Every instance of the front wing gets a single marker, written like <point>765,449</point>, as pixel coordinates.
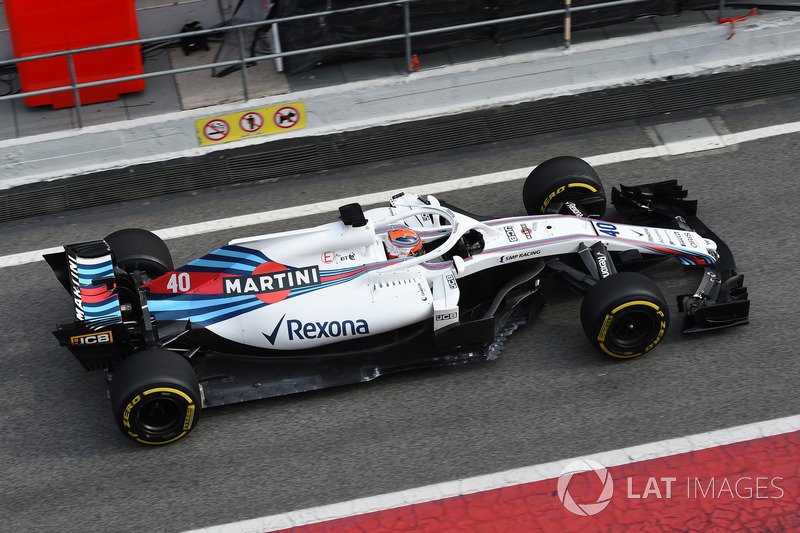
<point>721,300</point>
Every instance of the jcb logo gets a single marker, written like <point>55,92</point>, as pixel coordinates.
<point>103,337</point>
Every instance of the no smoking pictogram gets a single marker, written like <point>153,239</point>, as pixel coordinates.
<point>286,117</point>
<point>216,129</point>
<point>251,122</point>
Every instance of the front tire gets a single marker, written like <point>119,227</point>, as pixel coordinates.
<point>624,315</point>
<point>564,179</point>
<point>155,397</point>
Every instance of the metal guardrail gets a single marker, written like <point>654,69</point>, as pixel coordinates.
<point>407,36</point>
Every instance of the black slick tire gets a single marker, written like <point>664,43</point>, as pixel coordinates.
<point>560,180</point>
<point>624,315</point>
<point>139,249</point>
<point>155,397</point>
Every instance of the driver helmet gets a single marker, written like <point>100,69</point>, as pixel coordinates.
<point>402,243</point>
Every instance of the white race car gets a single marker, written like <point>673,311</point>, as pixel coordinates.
<point>417,283</point>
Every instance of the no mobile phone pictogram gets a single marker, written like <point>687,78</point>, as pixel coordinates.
<point>216,129</point>
<point>287,117</point>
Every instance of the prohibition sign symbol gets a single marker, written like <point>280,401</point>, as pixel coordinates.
<point>216,129</point>
<point>251,122</point>
<point>286,117</point>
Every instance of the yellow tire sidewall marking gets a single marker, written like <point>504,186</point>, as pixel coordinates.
<point>561,190</point>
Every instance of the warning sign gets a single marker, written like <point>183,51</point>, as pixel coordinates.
<point>251,122</point>
<point>246,124</point>
<point>216,130</point>
<point>287,117</point>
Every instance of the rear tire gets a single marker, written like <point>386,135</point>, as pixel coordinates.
<point>624,315</point>
<point>139,249</point>
<point>155,397</point>
<point>560,180</point>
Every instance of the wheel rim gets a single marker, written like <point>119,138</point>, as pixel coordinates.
<point>159,415</point>
<point>633,329</point>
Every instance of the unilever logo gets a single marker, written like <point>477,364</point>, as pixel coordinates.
<point>578,467</point>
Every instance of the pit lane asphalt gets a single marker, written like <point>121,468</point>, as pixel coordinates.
<point>66,467</point>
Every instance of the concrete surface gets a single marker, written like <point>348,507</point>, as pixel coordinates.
<point>193,87</point>
<point>696,49</point>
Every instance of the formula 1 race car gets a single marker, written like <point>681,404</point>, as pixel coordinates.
<point>418,283</point>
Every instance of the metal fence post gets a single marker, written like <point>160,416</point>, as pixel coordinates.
<point>244,64</point>
<point>721,9</point>
<point>567,23</point>
<point>407,31</point>
<point>76,94</point>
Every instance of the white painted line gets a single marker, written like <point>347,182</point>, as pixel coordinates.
<point>23,258</point>
<point>430,188</point>
<point>761,133</point>
<point>332,205</point>
<point>288,213</point>
<point>699,144</point>
<point>529,474</point>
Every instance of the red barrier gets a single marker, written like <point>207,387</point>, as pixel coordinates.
<point>45,26</point>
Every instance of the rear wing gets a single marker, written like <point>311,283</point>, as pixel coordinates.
<point>86,270</point>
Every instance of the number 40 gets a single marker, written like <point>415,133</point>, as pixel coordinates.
<point>179,282</point>
<point>607,228</point>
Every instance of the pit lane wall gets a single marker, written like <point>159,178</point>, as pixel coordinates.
<point>770,37</point>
